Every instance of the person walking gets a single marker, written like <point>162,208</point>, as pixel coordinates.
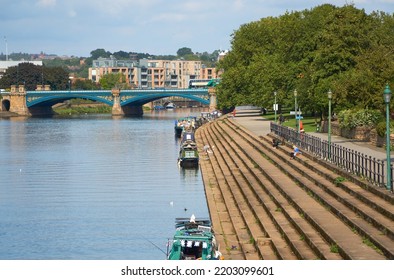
<point>301,127</point>
<point>281,119</point>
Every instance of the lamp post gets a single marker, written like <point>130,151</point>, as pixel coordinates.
<point>275,106</point>
<point>69,83</point>
<point>6,49</point>
<point>329,95</point>
<point>387,96</point>
<point>295,109</point>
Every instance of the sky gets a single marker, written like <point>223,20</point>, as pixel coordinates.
<point>158,27</point>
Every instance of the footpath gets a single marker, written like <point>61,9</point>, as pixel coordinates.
<point>261,127</point>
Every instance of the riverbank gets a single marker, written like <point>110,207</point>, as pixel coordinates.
<point>74,109</point>
<point>7,114</point>
<point>83,109</point>
<point>263,205</point>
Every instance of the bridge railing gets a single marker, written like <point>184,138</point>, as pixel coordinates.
<point>368,167</point>
<point>125,91</point>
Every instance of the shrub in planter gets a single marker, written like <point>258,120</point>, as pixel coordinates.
<point>381,128</point>
<point>363,117</point>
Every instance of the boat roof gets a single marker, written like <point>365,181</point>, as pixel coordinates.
<point>199,221</point>
<point>189,145</point>
<point>198,232</point>
<point>187,118</point>
<point>188,135</point>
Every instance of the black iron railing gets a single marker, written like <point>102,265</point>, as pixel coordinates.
<point>372,169</point>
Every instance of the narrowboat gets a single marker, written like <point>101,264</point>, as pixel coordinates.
<point>188,153</point>
<point>193,240</point>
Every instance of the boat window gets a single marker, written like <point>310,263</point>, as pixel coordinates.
<point>192,250</point>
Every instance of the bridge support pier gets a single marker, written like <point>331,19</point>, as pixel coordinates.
<point>130,110</point>
<point>116,108</point>
<point>212,99</point>
<point>17,101</point>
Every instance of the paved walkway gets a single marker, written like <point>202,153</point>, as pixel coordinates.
<point>261,126</point>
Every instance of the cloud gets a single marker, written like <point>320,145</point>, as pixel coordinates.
<point>154,26</point>
<point>46,3</point>
<point>72,13</point>
<point>238,4</point>
<point>168,17</point>
<point>121,7</point>
<point>192,6</point>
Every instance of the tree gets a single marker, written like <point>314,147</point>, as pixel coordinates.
<point>311,51</point>
<point>122,55</point>
<point>84,84</point>
<point>32,75</point>
<point>113,80</point>
<point>99,53</point>
<point>56,77</point>
<point>184,51</point>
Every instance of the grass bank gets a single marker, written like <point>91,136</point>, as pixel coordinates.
<point>84,108</point>
<point>78,110</point>
<point>309,122</point>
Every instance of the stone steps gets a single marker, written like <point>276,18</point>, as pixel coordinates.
<point>271,207</point>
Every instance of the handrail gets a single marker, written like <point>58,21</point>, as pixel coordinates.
<point>347,159</point>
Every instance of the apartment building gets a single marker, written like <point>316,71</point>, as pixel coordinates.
<point>103,66</point>
<point>148,73</point>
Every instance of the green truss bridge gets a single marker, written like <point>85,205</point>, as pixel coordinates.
<point>123,102</point>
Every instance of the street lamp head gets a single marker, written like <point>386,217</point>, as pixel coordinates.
<point>387,94</point>
<point>329,94</point>
<point>275,93</point>
<point>295,93</point>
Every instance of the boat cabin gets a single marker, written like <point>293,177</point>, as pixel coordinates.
<point>187,136</point>
<point>193,241</point>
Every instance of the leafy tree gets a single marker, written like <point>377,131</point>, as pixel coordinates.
<point>84,85</point>
<point>56,77</point>
<point>59,62</point>
<point>122,55</point>
<point>191,57</point>
<point>113,80</point>
<point>99,53</point>
<point>184,51</point>
<point>32,75</point>
<point>16,56</point>
<point>311,51</point>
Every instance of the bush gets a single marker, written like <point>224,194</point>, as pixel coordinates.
<point>353,118</point>
<point>381,128</point>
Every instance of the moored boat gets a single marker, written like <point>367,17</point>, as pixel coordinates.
<point>193,240</point>
<point>186,123</point>
<point>178,128</point>
<point>170,106</point>
<point>188,153</point>
<point>159,107</point>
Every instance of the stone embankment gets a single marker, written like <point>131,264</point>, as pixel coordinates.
<point>263,205</point>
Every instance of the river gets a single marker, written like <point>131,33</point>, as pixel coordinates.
<point>93,187</point>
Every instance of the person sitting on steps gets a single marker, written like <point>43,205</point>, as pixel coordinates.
<point>275,143</point>
<point>296,151</point>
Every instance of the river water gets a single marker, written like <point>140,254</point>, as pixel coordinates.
<point>93,187</point>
